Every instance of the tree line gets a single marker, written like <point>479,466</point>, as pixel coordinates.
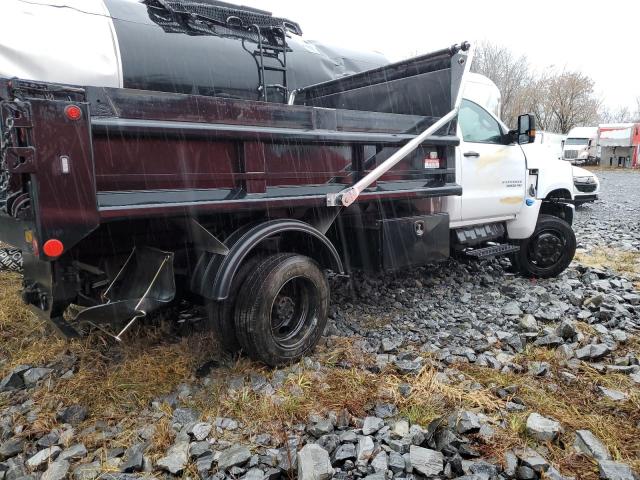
<point>560,99</point>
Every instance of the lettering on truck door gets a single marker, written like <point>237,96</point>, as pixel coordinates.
<point>493,168</point>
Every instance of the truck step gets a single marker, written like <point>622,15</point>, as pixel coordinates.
<point>493,251</point>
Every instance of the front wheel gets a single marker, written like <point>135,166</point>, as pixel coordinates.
<point>282,309</point>
<point>549,251</point>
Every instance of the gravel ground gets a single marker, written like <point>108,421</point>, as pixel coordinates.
<point>456,303</point>
<point>614,220</point>
<point>417,332</point>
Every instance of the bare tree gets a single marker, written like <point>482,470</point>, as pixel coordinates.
<point>509,72</point>
<point>536,101</point>
<point>560,100</point>
<point>572,100</point>
<point>620,115</point>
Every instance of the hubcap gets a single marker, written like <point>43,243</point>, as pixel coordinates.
<point>293,314</point>
<point>547,249</point>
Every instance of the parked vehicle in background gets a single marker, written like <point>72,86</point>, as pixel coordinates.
<point>581,146</point>
<point>586,186</point>
<point>553,142</point>
<point>620,144</point>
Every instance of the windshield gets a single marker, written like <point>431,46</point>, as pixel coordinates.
<point>577,141</point>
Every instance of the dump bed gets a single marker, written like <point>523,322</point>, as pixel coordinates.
<point>77,157</point>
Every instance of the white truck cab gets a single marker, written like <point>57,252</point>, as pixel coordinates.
<point>581,146</point>
<point>511,183</point>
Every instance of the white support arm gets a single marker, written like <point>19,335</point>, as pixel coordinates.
<point>348,196</point>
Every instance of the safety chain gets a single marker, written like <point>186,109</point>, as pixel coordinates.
<point>5,143</point>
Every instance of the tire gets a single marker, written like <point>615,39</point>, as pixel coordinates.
<point>282,309</point>
<point>10,260</point>
<point>549,251</point>
<point>221,314</point>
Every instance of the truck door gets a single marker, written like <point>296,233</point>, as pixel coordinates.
<point>493,170</point>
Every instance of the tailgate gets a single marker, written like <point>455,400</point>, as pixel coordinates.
<point>48,182</point>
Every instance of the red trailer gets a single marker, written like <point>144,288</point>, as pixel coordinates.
<point>620,144</point>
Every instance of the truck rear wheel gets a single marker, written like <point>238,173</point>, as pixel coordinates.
<point>282,309</point>
<point>549,251</point>
<point>221,314</point>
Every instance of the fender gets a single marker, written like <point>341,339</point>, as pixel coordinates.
<point>217,276</point>
<point>547,189</point>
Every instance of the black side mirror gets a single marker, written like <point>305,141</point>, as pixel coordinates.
<point>526,129</point>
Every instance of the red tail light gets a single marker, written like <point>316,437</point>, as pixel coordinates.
<point>53,248</point>
<point>73,112</point>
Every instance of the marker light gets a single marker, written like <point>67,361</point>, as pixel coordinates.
<point>73,112</point>
<point>53,248</point>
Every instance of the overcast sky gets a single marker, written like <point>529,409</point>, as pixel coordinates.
<point>601,39</point>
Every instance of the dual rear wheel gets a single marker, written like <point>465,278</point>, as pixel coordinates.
<point>277,311</point>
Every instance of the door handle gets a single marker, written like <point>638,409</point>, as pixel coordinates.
<point>472,154</point>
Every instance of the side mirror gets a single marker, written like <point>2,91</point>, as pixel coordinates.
<point>526,129</point>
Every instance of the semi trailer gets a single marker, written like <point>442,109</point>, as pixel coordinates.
<point>581,146</point>
<point>241,184</point>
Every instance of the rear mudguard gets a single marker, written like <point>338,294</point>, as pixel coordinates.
<point>214,273</point>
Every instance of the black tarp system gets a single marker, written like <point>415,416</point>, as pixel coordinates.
<point>178,53</point>
<point>421,86</point>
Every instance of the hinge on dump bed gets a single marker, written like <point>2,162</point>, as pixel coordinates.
<point>21,89</point>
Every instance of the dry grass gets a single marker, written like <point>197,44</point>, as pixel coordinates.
<point>302,394</point>
<point>23,337</point>
<point>623,263</point>
<point>576,406</point>
<point>112,380</point>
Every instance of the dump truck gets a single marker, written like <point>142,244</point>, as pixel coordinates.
<point>225,163</point>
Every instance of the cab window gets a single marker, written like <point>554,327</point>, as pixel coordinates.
<point>477,125</point>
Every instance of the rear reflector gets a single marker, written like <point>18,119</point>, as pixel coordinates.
<point>73,112</point>
<point>53,248</point>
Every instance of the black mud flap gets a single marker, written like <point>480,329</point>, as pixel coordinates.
<point>145,283</point>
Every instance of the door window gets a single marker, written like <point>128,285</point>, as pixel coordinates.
<point>477,125</point>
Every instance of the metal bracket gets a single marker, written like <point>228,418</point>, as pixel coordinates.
<point>201,237</point>
<point>145,283</point>
<point>21,159</point>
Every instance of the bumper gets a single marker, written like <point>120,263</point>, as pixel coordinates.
<point>576,161</point>
<point>583,198</point>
